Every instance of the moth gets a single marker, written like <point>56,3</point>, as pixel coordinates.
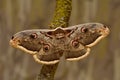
<point>47,46</point>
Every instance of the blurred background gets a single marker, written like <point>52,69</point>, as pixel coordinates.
<point>102,64</point>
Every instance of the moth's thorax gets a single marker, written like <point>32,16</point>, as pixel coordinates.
<point>58,43</point>
<point>59,33</point>
<point>59,38</point>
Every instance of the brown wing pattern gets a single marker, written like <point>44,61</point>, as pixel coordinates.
<point>48,45</point>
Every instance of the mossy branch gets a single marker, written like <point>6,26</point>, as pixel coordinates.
<point>62,13</point>
<point>60,19</point>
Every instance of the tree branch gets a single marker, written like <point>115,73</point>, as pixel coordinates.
<point>60,19</point>
<point>62,13</point>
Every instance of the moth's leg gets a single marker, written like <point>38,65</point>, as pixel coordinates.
<point>77,55</point>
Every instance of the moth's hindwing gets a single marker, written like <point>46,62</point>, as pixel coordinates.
<point>48,59</point>
<point>37,59</point>
<point>77,55</point>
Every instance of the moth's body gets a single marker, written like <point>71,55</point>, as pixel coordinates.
<point>47,46</point>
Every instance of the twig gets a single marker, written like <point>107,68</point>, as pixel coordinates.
<point>61,19</point>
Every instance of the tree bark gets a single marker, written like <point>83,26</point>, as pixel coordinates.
<point>60,19</point>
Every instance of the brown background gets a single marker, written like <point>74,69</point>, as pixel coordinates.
<point>102,64</point>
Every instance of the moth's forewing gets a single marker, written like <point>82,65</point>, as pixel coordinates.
<point>27,40</point>
<point>90,34</point>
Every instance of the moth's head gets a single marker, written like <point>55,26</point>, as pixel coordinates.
<point>92,33</point>
<point>27,41</point>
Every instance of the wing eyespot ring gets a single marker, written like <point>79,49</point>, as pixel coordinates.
<point>75,44</point>
<point>84,29</point>
<point>46,47</point>
<point>34,35</point>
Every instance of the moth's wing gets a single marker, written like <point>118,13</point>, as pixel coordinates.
<point>77,55</point>
<point>46,59</point>
<point>28,40</point>
<point>50,58</point>
<point>89,34</point>
<point>76,50</point>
